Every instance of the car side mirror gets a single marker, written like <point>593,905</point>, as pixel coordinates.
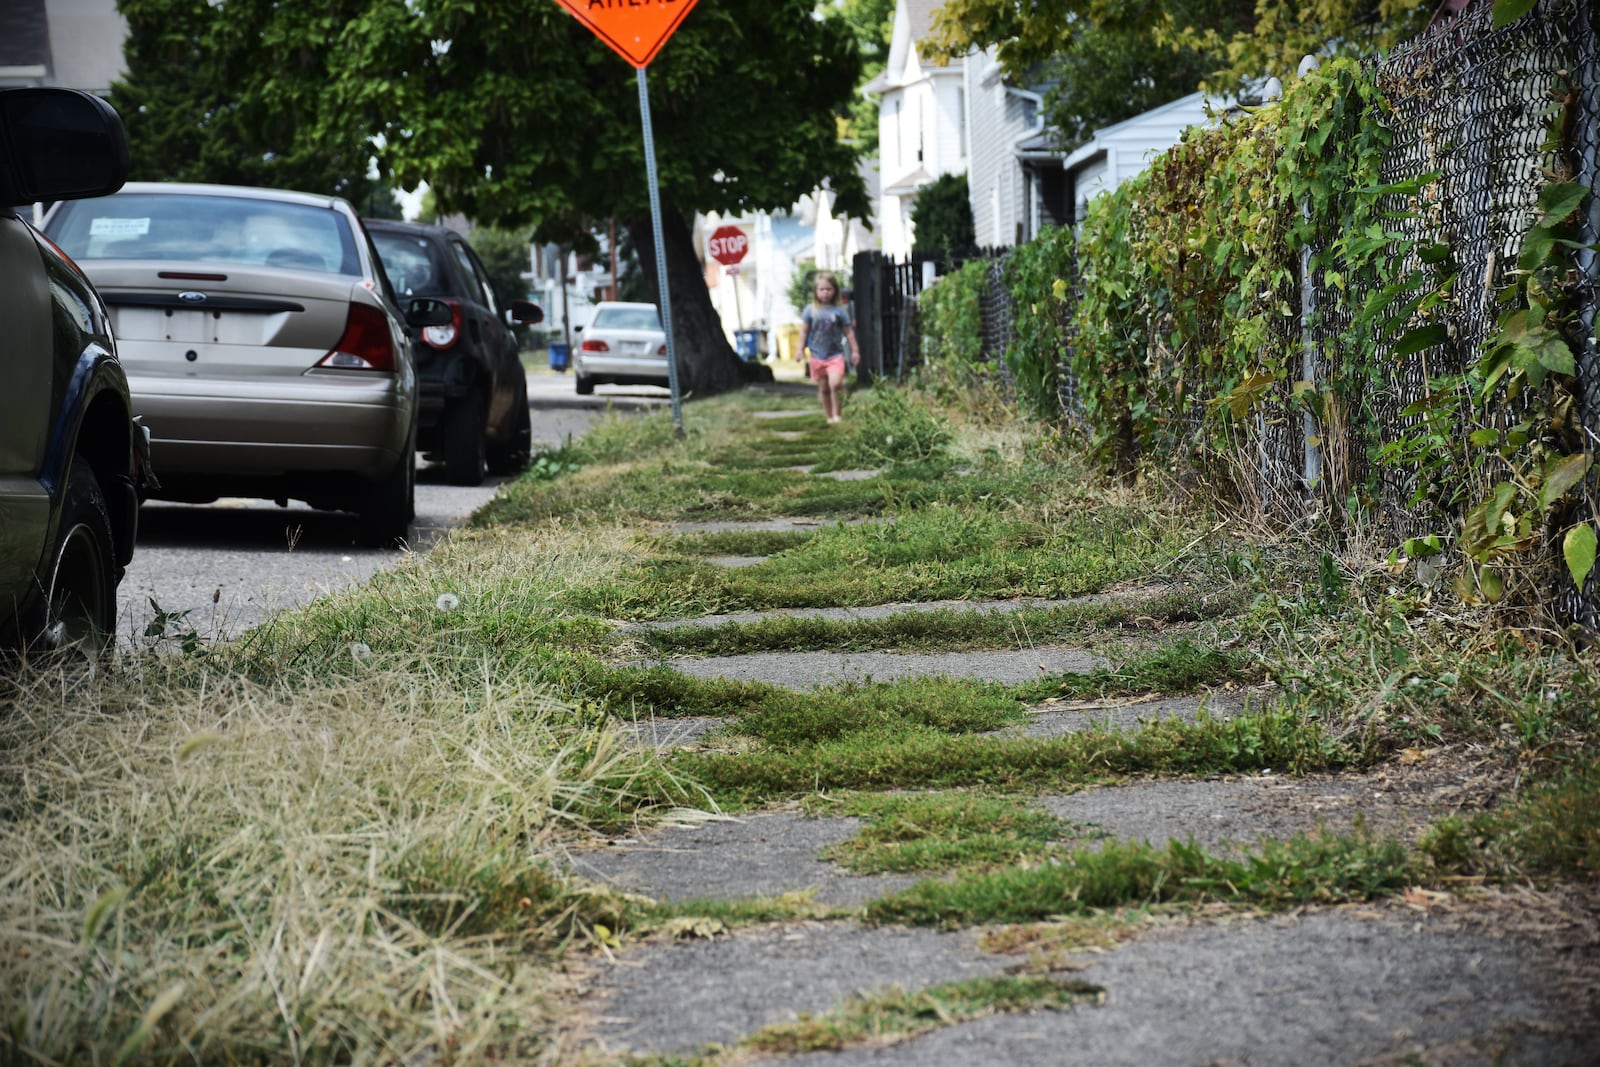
<point>63,144</point>
<point>426,311</point>
<point>525,312</point>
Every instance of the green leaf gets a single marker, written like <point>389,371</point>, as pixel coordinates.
<point>1509,11</point>
<point>1560,199</point>
<point>1493,586</point>
<point>1499,502</point>
<point>1481,438</point>
<point>1422,337</point>
<point>1552,352</point>
<point>1536,248</point>
<point>1422,547</point>
<point>1434,253</point>
<point>1560,474</point>
<point>1578,547</point>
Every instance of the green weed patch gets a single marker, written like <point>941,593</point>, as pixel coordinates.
<point>937,832</point>
<point>923,759</point>
<point>946,629</point>
<point>1306,869</point>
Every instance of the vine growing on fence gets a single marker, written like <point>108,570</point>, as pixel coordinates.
<point>951,316</point>
<point>1188,275</point>
<point>1036,278</point>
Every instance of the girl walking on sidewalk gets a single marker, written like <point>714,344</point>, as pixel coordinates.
<point>825,328</point>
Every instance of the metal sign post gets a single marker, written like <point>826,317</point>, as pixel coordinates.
<point>636,32</point>
<point>661,251</point>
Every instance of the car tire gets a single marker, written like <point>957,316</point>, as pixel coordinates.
<point>585,385</point>
<point>79,579</point>
<point>511,457</point>
<point>466,455</point>
<point>391,504</point>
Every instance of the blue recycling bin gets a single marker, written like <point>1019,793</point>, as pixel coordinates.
<point>747,343</point>
<point>560,356</point>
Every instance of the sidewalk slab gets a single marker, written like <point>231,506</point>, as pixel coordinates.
<point>1336,987</point>
<point>761,855</point>
<point>810,670</point>
<point>766,975</point>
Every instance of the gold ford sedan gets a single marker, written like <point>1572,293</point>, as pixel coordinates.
<point>262,342</point>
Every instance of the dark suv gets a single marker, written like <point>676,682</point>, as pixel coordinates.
<point>73,463</point>
<point>472,390</point>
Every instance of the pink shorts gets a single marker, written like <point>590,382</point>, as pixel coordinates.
<point>832,367</point>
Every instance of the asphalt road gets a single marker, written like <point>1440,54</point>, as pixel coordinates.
<point>228,565</point>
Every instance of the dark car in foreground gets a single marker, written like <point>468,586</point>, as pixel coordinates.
<point>72,460</point>
<point>472,389</point>
<point>263,343</point>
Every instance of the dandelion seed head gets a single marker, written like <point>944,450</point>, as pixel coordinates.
<point>447,602</point>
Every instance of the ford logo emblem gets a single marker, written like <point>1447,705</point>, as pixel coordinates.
<point>189,296</point>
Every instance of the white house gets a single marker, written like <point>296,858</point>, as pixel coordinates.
<point>1117,153</point>
<point>922,123</point>
<point>76,43</point>
<point>1015,180</point>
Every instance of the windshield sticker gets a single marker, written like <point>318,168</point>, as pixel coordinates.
<point>119,227</point>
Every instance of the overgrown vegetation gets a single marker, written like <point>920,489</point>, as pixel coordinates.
<point>340,837</point>
<point>1386,409</point>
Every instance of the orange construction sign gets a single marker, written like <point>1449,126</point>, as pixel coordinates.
<point>635,29</point>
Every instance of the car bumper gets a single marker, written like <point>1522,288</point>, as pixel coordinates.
<point>335,422</point>
<point>620,367</point>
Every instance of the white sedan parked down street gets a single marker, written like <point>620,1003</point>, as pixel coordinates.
<point>624,344</point>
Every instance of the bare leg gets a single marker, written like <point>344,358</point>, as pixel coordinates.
<point>825,396</point>
<point>835,400</point>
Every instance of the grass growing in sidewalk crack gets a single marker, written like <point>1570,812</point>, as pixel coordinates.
<point>893,1016</point>
<point>903,759</point>
<point>940,831</point>
<point>945,629</point>
<point>900,1015</point>
<point>1304,869</point>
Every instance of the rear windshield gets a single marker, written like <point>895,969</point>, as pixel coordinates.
<point>414,265</point>
<point>220,230</point>
<point>627,319</point>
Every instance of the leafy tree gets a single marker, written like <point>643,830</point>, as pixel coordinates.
<point>1107,60</point>
<point>514,113</point>
<point>185,123</point>
<point>942,217</point>
<point>506,257</point>
<point>873,24</point>
<point>381,203</point>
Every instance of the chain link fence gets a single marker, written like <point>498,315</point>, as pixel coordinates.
<point>1471,116</point>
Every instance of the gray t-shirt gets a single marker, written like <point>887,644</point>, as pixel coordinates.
<point>826,326</point>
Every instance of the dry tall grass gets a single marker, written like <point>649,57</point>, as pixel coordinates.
<point>218,871</point>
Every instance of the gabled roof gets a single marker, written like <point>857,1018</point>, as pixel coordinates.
<point>913,20</point>
<point>909,183</point>
<point>1183,112</point>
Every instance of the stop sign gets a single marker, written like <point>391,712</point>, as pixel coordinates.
<point>728,245</point>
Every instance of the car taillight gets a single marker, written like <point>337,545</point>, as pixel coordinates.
<point>444,336</point>
<point>662,350</point>
<point>367,343</point>
<point>595,346</point>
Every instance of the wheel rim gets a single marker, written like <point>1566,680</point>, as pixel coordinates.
<point>77,591</point>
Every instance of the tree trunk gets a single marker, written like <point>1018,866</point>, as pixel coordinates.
<point>707,364</point>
